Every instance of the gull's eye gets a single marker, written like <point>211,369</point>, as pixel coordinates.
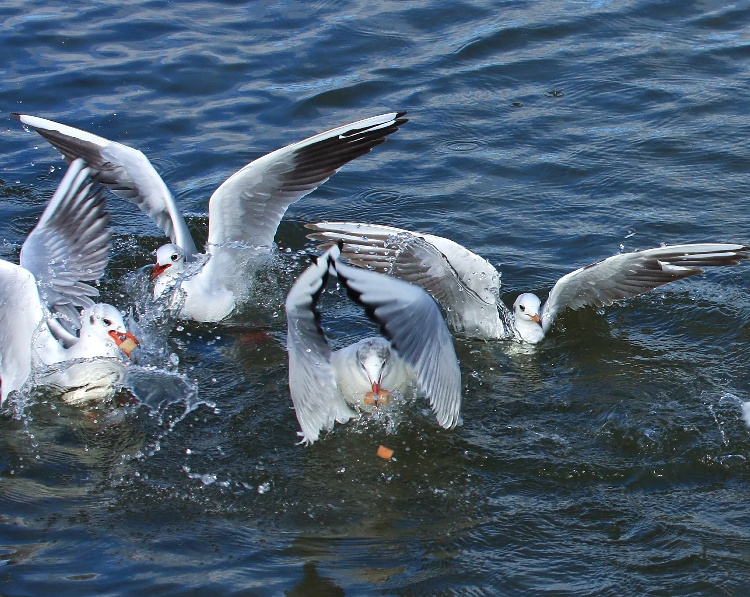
<point>107,322</point>
<point>174,256</point>
<point>522,307</point>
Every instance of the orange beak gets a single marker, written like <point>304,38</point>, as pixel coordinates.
<point>536,318</point>
<point>127,342</point>
<point>159,270</point>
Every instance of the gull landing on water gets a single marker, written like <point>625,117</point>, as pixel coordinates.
<point>468,286</point>
<point>40,298</point>
<point>328,386</point>
<point>244,212</point>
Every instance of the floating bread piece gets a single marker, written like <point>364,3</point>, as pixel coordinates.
<point>128,345</point>
<point>382,398</point>
<point>385,453</point>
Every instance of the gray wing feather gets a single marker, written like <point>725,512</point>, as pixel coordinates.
<point>247,208</point>
<point>69,246</point>
<point>411,320</point>
<point>312,381</point>
<point>630,274</point>
<point>127,172</point>
<point>412,258</point>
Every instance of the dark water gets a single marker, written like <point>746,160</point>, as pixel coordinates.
<point>612,459</point>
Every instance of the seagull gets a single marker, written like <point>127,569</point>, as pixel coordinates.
<point>332,386</point>
<point>467,286</point>
<point>244,212</point>
<point>39,299</point>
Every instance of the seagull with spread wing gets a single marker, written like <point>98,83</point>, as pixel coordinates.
<point>468,286</point>
<point>329,386</point>
<point>40,322</point>
<point>244,212</point>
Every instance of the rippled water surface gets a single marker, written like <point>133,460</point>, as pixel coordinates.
<point>611,459</point>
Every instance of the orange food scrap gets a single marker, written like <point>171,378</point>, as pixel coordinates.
<point>385,453</point>
<point>381,399</point>
<point>128,346</point>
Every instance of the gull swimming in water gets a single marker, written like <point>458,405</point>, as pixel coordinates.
<point>39,299</point>
<point>244,212</point>
<point>328,386</point>
<point>468,286</point>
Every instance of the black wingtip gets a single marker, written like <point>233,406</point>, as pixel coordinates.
<point>16,115</point>
<point>356,296</point>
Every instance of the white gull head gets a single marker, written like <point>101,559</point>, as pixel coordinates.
<point>373,356</point>
<point>527,318</point>
<point>103,333</point>
<point>170,263</point>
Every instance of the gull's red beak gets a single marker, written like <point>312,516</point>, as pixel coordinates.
<point>126,342</point>
<point>536,318</point>
<point>375,387</point>
<point>159,270</point>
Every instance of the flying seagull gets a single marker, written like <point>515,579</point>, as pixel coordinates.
<point>468,286</point>
<point>40,298</point>
<point>244,212</point>
<point>329,386</point>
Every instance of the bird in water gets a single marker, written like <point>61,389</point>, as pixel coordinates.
<point>42,327</point>
<point>244,212</point>
<point>329,386</point>
<point>467,286</point>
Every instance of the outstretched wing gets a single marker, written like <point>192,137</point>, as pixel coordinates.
<point>69,246</point>
<point>247,208</point>
<point>312,381</point>
<point>463,283</point>
<point>127,172</point>
<point>630,274</point>
<point>411,320</point>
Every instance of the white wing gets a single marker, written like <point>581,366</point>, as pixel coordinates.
<point>630,274</point>
<point>464,284</point>
<point>249,206</point>
<point>125,171</point>
<point>412,322</point>
<point>312,381</point>
<point>69,246</point>
<point>21,313</point>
